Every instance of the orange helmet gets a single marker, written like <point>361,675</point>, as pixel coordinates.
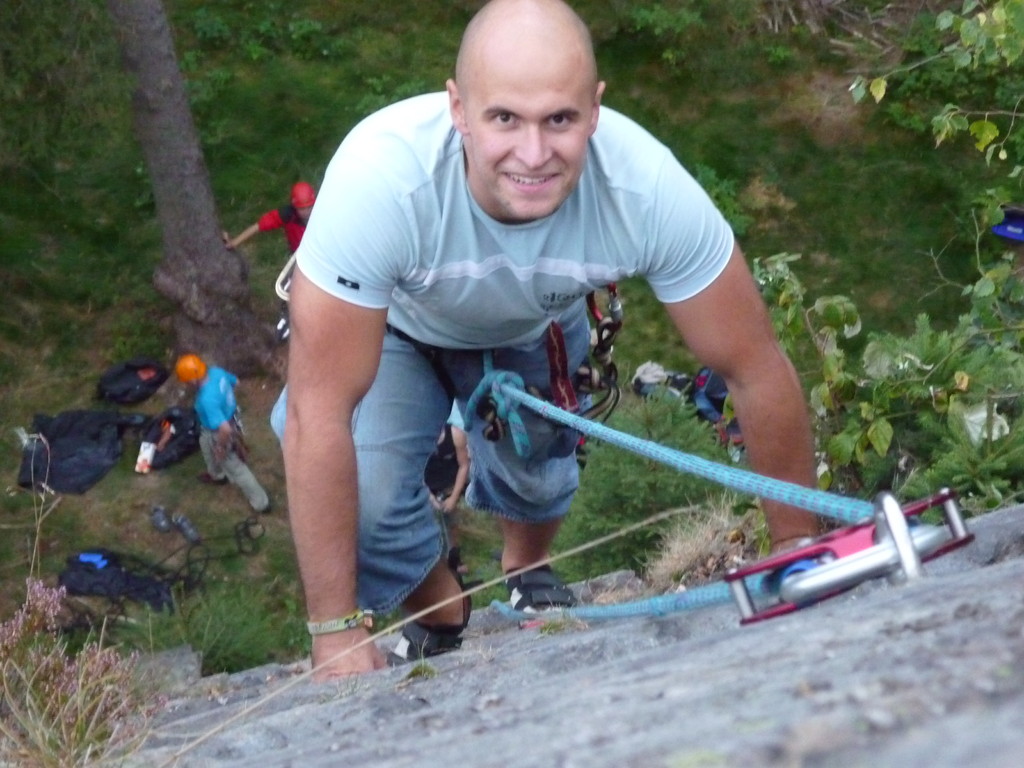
<point>190,368</point>
<point>303,195</point>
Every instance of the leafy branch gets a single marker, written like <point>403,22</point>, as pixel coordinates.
<point>987,37</point>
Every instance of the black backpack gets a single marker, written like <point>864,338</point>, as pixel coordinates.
<point>184,440</point>
<point>132,381</point>
<point>708,393</point>
<point>101,572</point>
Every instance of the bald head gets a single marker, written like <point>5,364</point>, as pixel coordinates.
<point>506,31</point>
<point>526,100</point>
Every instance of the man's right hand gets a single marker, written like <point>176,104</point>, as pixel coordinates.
<point>334,657</point>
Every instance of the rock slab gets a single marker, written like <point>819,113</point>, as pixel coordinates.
<point>929,673</point>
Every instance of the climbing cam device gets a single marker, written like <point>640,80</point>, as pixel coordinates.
<point>893,544</point>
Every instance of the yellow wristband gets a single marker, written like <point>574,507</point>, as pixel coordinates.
<point>352,621</point>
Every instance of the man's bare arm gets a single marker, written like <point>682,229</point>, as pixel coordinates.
<point>334,352</point>
<point>728,328</point>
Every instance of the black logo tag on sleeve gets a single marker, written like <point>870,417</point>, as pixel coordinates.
<point>348,283</point>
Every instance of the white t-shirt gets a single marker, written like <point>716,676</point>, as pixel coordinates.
<point>395,226</point>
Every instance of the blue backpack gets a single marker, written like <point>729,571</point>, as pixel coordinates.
<point>708,393</point>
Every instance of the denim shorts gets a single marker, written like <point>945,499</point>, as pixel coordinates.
<point>395,430</point>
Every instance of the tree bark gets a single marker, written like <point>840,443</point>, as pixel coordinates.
<point>207,282</point>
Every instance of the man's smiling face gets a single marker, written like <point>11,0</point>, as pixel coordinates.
<point>526,105</point>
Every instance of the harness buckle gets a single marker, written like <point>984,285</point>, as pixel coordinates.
<point>894,544</point>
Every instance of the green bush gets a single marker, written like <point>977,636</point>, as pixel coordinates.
<point>912,414</point>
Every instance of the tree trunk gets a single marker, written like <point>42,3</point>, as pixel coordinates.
<point>207,282</point>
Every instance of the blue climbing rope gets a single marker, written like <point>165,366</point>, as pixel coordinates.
<point>507,392</point>
<point>661,605</point>
<point>495,384</point>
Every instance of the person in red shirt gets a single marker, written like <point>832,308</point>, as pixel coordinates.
<point>292,218</point>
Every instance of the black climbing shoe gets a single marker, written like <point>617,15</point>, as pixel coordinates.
<point>538,589</point>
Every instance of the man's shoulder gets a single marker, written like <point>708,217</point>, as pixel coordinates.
<point>412,119</point>
<point>216,373</point>
<point>395,154</point>
<point>270,220</point>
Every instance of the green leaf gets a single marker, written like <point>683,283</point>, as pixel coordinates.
<point>878,363</point>
<point>878,86</point>
<point>831,313</point>
<point>858,89</point>
<point>824,479</point>
<point>821,400</point>
<point>970,34</point>
<point>984,287</point>
<point>962,59</point>
<point>841,447</point>
<point>984,133</point>
<point>860,448</point>
<point>880,434</point>
<point>1015,16</point>
<point>832,365</point>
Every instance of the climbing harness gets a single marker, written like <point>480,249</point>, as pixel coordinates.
<point>590,378</point>
<point>488,402</point>
<point>894,544</point>
<point>433,356</point>
<point>604,378</point>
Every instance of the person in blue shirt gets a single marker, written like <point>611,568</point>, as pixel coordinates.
<point>220,439</point>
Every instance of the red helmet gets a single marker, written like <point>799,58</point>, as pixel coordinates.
<point>303,195</point>
<point>190,368</point>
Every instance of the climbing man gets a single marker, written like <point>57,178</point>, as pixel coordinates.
<point>457,236</point>
<point>220,438</point>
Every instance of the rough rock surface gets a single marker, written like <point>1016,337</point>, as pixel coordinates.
<point>929,673</point>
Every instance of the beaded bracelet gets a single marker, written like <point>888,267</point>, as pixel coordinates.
<point>352,621</point>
